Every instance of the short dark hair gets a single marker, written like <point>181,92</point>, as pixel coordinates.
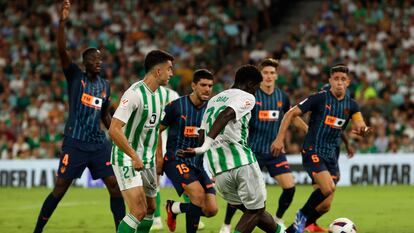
<point>339,68</point>
<point>88,52</point>
<point>202,74</point>
<point>269,62</point>
<point>156,57</point>
<point>246,74</point>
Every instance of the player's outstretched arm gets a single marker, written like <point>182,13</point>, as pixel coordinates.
<point>223,119</point>
<point>278,144</point>
<point>118,137</point>
<point>61,40</point>
<point>359,126</point>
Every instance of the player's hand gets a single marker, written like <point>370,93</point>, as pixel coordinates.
<point>350,150</point>
<point>277,147</point>
<point>64,13</point>
<point>137,164</point>
<point>188,153</point>
<point>159,166</point>
<point>363,131</point>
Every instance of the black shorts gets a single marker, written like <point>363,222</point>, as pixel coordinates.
<point>73,162</point>
<point>274,165</point>
<point>182,174</point>
<point>314,163</point>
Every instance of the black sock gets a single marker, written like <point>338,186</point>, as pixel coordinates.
<point>192,218</point>
<point>230,211</point>
<point>118,209</point>
<point>313,216</point>
<point>314,200</point>
<point>290,229</point>
<point>284,201</point>
<point>49,205</point>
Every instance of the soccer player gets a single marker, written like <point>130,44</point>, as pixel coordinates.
<point>231,161</point>
<point>324,207</point>
<point>84,144</point>
<point>169,95</point>
<point>183,119</point>
<point>271,104</point>
<point>331,112</point>
<point>134,131</point>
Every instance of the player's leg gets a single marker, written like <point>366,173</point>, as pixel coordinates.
<point>317,169</point>
<point>99,166</point>
<point>157,224</point>
<point>149,179</point>
<point>230,212</point>
<point>131,185</point>
<point>71,165</point>
<point>51,202</point>
<point>279,169</point>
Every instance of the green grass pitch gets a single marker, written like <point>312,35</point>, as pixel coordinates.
<point>373,209</point>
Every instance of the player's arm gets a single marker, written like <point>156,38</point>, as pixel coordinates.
<point>300,124</point>
<point>61,40</point>
<point>278,144</point>
<point>118,137</point>
<point>127,105</point>
<point>105,115</point>
<point>359,126</point>
<point>159,160</point>
<point>219,124</point>
<point>348,145</point>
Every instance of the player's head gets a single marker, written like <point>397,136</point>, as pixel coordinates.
<point>92,60</point>
<point>202,84</point>
<point>159,64</point>
<point>339,79</point>
<point>248,78</point>
<point>268,68</point>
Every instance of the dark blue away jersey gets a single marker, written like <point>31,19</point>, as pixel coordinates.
<point>86,101</point>
<point>183,119</point>
<point>267,114</point>
<point>329,117</point>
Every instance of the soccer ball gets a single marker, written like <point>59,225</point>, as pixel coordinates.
<point>342,225</point>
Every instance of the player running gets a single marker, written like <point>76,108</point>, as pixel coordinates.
<point>84,144</point>
<point>232,162</point>
<point>331,112</point>
<point>134,131</point>
<point>183,119</point>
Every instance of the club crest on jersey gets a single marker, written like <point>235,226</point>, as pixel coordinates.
<point>334,122</point>
<point>279,104</point>
<point>91,101</point>
<point>269,115</point>
<point>247,104</point>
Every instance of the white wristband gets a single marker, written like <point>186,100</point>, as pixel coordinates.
<point>205,147</point>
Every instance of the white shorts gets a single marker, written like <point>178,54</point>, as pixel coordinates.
<point>243,185</point>
<point>127,177</point>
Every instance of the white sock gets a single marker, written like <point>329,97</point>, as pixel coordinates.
<point>149,217</point>
<point>175,208</point>
<point>131,221</point>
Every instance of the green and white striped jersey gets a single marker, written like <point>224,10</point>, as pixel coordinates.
<point>170,95</point>
<point>141,110</point>
<point>230,149</point>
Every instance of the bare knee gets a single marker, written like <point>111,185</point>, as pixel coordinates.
<point>112,186</point>
<point>61,186</point>
<point>210,211</point>
<point>324,207</point>
<point>138,212</point>
<point>327,191</point>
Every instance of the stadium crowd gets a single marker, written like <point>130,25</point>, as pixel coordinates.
<point>375,39</point>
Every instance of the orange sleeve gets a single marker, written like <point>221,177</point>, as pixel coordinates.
<point>357,117</point>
